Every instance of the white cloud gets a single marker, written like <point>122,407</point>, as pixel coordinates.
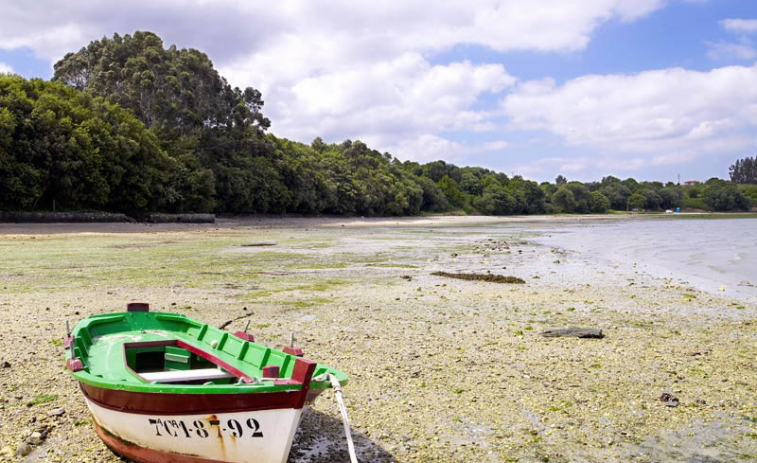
<point>650,118</point>
<point>339,68</point>
<point>399,98</point>
<point>221,28</point>
<point>429,147</point>
<point>744,51</point>
<point>743,26</point>
<point>581,166</point>
<point>362,71</point>
<point>5,69</point>
<point>229,29</point>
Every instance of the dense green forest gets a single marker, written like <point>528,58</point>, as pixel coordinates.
<point>127,125</point>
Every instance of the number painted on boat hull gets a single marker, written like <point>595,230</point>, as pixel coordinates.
<point>241,437</point>
<point>196,428</point>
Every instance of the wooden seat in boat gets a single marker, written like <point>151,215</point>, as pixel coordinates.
<point>180,376</point>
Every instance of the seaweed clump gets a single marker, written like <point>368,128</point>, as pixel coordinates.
<point>487,277</point>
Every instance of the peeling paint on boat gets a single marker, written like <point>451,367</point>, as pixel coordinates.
<point>267,439</point>
<point>198,394</point>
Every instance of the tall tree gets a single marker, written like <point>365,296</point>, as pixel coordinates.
<point>563,199</point>
<point>744,171</point>
<point>61,148</point>
<point>201,120</point>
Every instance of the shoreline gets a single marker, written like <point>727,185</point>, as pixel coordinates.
<point>684,252</point>
<point>267,221</point>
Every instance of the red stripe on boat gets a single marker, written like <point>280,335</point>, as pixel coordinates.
<point>302,374</point>
<point>146,403</point>
<point>188,404</point>
<point>143,454</point>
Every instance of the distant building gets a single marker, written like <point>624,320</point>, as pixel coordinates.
<point>691,182</point>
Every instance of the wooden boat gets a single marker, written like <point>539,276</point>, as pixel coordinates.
<point>162,387</point>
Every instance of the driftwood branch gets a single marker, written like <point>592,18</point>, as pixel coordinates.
<point>223,325</point>
<point>573,332</point>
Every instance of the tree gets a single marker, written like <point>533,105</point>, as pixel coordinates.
<point>438,169</point>
<point>496,200</point>
<point>654,200</point>
<point>631,184</point>
<point>744,171</point>
<point>170,89</point>
<point>637,201</point>
<point>199,118</point>
<point>599,202</point>
<point>564,199</point>
<point>60,148</point>
<point>454,195</point>
<point>318,145</point>
<point>617,194</point>
<point>434,199</point>
<point>560,181</point>
<point>671,196</point>
<point>471,184</point>
<point>725,197</point>
<point>548,189</point>
<point>528,196</point>
<point>579,199</point>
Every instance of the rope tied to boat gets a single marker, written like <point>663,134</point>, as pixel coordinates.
<point>340,400</point>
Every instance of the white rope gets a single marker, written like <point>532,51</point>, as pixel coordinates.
<point>340,400</point>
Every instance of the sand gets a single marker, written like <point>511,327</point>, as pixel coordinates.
<point>441,370</point>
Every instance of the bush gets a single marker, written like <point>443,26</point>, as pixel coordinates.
<point>694,203</point>
<point>599,202</point>
<point>725,197</point>
<point>637,201</point>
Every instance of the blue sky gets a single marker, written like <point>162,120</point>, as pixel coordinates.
<point>648,89</point>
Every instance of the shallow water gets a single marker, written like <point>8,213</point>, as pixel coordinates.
<point>717,256</point>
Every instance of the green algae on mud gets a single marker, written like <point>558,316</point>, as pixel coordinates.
<point>478,277</point>
<point>442,372</point>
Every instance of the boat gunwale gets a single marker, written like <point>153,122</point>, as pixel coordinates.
<point>145,403</point>
<point>182,339</point>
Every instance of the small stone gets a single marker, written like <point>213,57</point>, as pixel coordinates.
<point>56,412</point>
<point>669,399</point>
<point>23,450</point>
<point>35,438</point>
<point>6,365</point>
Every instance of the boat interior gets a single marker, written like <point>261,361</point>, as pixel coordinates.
<point>170,363</point>
<point>163,348</point>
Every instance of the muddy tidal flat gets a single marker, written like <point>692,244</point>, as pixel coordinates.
<point>441,369</point>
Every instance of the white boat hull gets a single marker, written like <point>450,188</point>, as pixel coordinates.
<point>242,437</point>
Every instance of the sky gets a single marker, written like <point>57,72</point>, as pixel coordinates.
<point>650,89</point>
